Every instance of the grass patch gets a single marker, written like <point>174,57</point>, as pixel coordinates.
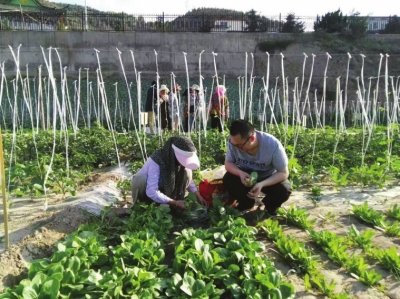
<point>335,43</point>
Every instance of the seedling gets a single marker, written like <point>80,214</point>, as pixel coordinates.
<point>63,185</point>
<point>316,195</point>
<point>297,217</point>
<point>392,229</point>
<point>390,259</point>
<point>332,245</point>
<point>356,265</point>
<point>329,218</point>
<point>394,212</point>
<point>368,215</point>
<point>337,178</point>
<point>364,239</point>
<point>325,287</point>
<point>260,215</point>
<point>124,186</point>
<point>370,278</point>
<point>316,191</point>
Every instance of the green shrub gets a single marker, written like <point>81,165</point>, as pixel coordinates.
<point>271,46</point>
<point>393,25</point>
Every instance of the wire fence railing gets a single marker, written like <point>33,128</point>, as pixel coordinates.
<point>196,22</point>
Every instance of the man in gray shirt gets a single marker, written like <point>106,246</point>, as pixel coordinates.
<point>254,151</point>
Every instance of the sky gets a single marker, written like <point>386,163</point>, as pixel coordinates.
<point>273,8</point>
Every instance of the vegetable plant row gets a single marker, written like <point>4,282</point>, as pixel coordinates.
<point>73,155</point>
<point>126,259</point>
<point>336,246</point>
<point>302,258</point>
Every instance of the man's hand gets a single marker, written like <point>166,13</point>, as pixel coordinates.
<point>245,178</point>
<point>255,191</point>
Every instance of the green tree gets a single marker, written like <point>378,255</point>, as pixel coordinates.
<point>331,22</point>
<point>353,26</point>
<point>393,25</point>
<point>207,24</point>
<point>358,25</point>
<point>292,25</point>
<point>255,22</point>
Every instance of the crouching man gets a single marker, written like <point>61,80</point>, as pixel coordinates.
<point>263,154</point>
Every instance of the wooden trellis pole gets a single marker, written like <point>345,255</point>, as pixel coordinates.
<point>3,192</point>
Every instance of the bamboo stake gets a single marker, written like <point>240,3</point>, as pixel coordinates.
<point>3,191</point>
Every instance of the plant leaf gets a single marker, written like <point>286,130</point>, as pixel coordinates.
<point>29,293</point>
<point>51,287</point>
<point>198,244</point>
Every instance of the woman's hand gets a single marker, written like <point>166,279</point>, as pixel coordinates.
<point>180,204</point>
<point>201,199</point>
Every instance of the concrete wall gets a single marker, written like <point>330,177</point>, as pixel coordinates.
<point>77,50</point>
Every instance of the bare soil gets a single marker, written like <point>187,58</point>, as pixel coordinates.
<point>34,233</point>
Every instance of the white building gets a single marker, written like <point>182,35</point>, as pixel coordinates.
<point>377,23</point>
<point>228,25</point>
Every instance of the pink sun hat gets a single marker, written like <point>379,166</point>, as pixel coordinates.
<point>186,159</point>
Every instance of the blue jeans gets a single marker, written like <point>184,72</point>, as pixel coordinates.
<point>191,122</point>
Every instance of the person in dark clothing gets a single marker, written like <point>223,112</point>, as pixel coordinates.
<point>191,101</point>
<point>151,105</point>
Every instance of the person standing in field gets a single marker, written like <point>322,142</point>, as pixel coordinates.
<point>151,105</point>
<point>191,105</point>
<point>165,117</point>
<point>219,108</point>
<point>174,107</point>
<point>254,151</point>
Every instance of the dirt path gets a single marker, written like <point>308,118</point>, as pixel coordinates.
<point>35,231</point>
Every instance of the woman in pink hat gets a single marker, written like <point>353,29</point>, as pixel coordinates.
<point>167,174</point>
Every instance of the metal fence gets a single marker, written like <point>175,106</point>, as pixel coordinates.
<point>44,21</point>
<point>203,22</point>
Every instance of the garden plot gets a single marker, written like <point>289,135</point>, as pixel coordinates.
<point>332,213</point>
<point>35,231</point>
